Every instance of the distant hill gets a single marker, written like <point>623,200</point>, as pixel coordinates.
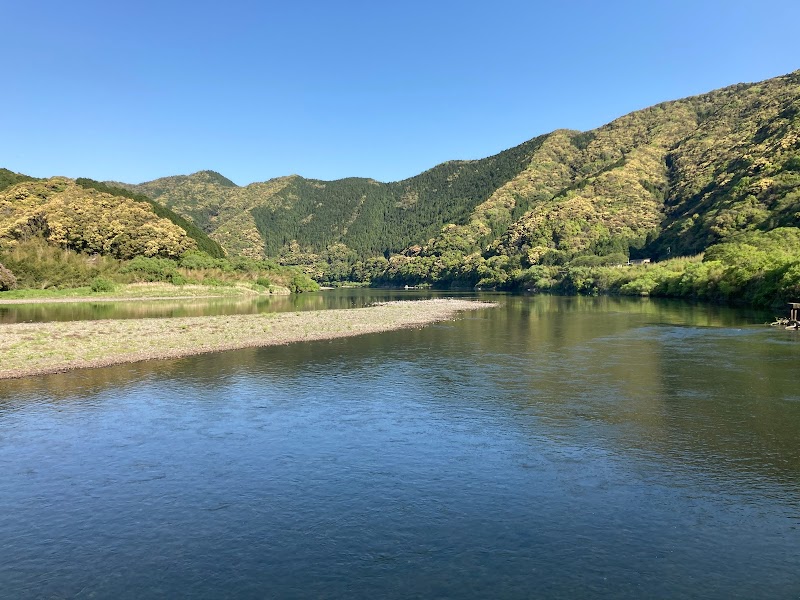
<point>369,217</point>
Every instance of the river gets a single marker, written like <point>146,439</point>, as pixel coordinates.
<point>551,447</point>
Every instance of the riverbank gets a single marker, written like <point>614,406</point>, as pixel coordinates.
<point>28,349</point>
<point>139,291</point>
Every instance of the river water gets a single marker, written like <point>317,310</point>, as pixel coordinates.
<point>550,447</point>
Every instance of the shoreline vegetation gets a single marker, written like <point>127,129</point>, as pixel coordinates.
<point>29,349</point>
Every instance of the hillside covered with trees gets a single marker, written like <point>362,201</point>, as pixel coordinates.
<point>669,181</point>
<point>707,187</point>
<point>64,233</point>
<point>70,216</point>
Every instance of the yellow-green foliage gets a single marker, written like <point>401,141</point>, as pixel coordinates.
<point>581,192</point>
<point>86,220</point>
<point>669,180</point>
<point>548,171</point>
<point>218,206</point>
<point>39,265</point>
<point>371,218</point>
<point>740,170</point>
<point>616,192</point>
<point>760,268</point>
<point>556,212</point>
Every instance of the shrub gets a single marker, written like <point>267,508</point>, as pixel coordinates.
<point>194,259</point>
<point>589,260</point>
<point>264,281</point>
<point>101,284</point>
<point>35,264</point>
<point>642,286</point>
<point>151,269</point>
<point>302,283</point>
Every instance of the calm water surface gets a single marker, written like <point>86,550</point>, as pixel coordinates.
<point>564,448</point>
<point>199,307</point>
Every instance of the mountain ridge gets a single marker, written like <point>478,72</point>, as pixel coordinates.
<point>672,179</point>
<point>283,215</point>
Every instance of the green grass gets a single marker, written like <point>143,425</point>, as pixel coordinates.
<point>141,291</point>
<point>46,294</point>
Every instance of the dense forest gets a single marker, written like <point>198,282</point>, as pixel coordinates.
<point>369,217</point>
<point>707,188</point>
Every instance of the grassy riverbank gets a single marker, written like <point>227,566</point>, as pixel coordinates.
<point>37,348</point>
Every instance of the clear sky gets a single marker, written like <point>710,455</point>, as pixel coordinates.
<point>132,91</point>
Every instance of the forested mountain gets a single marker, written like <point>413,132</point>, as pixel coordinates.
<point>661,182</point>
<point>665,181</point>
<point>718,171</point>
<point>369,217</point>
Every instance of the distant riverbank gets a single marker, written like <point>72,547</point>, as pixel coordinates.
<point>28,349</point>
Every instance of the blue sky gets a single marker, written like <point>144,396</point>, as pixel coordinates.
<point>139,90</point>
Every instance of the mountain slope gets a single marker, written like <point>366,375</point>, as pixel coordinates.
<point>9,178</point>
<point>70,216</point>
<point>368,216</point>
<point>739,171</point>
<point>668,180</point>
<point>204,243</point>
<point>217,206</point>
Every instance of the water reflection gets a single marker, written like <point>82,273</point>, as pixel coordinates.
<point>550,447</point>
<point>199,307</point>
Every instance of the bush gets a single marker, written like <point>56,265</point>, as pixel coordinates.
<point>151,269</point>
<point>302,283</point>
<point>263,281</point>
<point>589,260</point>
<point>194,259</point>
<point>101,284</point>
<point>7,279</point>
<point>538,278</point>
<point>641,286</point>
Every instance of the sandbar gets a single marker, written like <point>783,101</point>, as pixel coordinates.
<point>29,349</point>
